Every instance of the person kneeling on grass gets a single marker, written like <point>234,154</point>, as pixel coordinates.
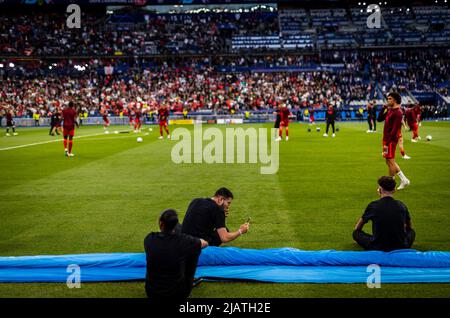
<point>391,222</point>
<point>171,260</point>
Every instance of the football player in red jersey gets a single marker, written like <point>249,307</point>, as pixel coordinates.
<point>10,123</point>
<point>104,113</point>
<point>412,116</point>
<point>137,119</point>
<point>284,114</point>
<point>392,115</point>
<point>69,116</point>
<point>163,114</point>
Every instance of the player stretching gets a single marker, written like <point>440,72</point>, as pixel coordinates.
<point>284,114</point>
<point>412,116</point>
<point>392,115</point>
<point>10,123</point>
<point>163,114</point>
<point>69,116</point>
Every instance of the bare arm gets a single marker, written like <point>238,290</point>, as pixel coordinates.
<point>226,237</point>
<point>204,243</point>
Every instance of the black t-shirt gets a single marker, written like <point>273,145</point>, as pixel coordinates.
<point>330,115</point>
<point>388,218</point>
<point>372,112</point>
<point>167,256</point>
<point>277,119</point>
<point>202,218</point>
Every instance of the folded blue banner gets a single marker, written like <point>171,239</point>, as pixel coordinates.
<point>283,265</point>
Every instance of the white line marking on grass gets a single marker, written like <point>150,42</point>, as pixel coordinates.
<point>47,142</point>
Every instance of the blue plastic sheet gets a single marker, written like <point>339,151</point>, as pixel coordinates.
<point>283,265</point>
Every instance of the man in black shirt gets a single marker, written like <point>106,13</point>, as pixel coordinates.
<point>171,260</point>
<point>391,222</point>
<point>205,218</point>
<point>372,117</point>
<point>330,117</point>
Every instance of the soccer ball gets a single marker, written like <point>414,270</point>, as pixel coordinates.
<point>116,132</point>
<point>309,129</point>
<point>139,139</point>
<point>106,132</point>
<point>337,128</point>
<point>318,129</point>
<point>429,138</point>
<point>150,129</point>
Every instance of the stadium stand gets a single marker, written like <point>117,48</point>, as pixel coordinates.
<point>222,61</point>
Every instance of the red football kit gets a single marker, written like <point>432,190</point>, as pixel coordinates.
<point>391,130</point>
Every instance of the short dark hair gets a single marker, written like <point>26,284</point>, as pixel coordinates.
<point>169,218</point>
<point>224,192</point>
<point>387,183</point>
<point>70,104</point>
<point>396,96</point>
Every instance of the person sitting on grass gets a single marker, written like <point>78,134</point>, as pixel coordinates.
<point>391,222</point>
<point>205,218</point>
<point>171,260</point>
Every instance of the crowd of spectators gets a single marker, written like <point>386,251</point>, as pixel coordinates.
<point>132,31</point>
<point>198,84</point>
<point>336,77</point>
<point>100,35</point>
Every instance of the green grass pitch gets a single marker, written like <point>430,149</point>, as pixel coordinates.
<point>109,196</point>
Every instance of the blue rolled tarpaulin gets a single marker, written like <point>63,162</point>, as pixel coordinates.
<point>283,265</point>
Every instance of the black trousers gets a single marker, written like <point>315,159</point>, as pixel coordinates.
<point>372,123</point>
<point>328,126</point>
<point>365,240</point>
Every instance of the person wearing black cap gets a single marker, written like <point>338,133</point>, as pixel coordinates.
<point>391,222</point>
<point>171,260</point>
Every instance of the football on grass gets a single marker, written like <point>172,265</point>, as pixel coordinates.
<point>429,138</point>
<point>139,139</point>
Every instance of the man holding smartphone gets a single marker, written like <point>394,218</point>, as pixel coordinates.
<point>205,218</point>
